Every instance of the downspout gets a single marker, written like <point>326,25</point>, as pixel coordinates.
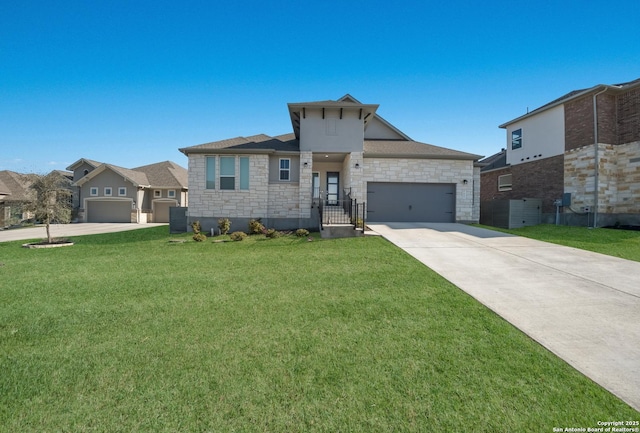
<point>596,159</point>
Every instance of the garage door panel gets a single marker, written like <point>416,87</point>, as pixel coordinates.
<point>109,211</point>
<point>411,202</point>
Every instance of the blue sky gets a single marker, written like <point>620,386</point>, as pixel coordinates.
<point>130,82</point>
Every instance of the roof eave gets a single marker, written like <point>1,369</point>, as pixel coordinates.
<point>187,151</point>
<point>561,102</point>
<point>468,157</point>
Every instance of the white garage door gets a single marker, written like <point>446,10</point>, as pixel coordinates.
<point>109,211</point>
<point>411,202</point>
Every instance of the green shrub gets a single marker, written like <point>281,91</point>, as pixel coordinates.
<point>256,227</point>
<point>197,228</point>
<point>272,233</point>
<point>224,224</point>
<point>302,233</point>
<point>358,222</point>
<point>199,237</point>
<point>237,236</point>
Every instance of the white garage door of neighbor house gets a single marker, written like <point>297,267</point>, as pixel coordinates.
<point>411,202</point>
<point>109,211</point>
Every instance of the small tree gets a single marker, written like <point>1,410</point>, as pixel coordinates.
<point>51,200</point>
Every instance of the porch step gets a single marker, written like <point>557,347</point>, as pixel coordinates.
<point>333,231</point>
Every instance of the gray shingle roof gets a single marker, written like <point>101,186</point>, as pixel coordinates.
<point>261,142</point>
<point>498,160</point>
<point>164,174</point>
<point>414,149</point>
<point>17,185</point>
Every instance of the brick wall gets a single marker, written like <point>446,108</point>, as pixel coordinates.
<point>578,123</point>
<point>628,106</point>
<point>542,179</point>
<point>607,119</point>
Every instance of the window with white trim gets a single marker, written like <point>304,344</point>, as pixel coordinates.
<point>108,191</point>
<point>504,182</point>
<point>122,191</point>
<point>93,191</point>
<point>171,193</point>
<point>285,169</point>
<point>516,139</point>
<point>157,193</point>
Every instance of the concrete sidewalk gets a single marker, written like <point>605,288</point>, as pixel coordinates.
<point>70,230</point>
<point>582,306</point>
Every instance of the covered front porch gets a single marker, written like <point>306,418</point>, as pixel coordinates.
<point>336,192</point>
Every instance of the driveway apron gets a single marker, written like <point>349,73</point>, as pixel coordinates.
<point>582,306</point>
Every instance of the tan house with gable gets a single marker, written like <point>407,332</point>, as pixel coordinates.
<point>108,193</point>
<point>341,163</point>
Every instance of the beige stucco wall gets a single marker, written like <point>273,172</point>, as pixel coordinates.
<point>331,134</point>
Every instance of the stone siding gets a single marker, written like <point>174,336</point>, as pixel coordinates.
<point>428,171</point>
<point>618,178</point>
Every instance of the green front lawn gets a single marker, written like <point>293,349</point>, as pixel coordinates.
<point>128,332</point>
<point>618,243</point>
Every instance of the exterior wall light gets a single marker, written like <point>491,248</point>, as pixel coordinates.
<point>465,181</point>
<point>357,165</point>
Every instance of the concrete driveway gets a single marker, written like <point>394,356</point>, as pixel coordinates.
<point>69,230</point>
<point>582,306</point>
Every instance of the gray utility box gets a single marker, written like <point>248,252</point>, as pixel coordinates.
<point>511,214</point>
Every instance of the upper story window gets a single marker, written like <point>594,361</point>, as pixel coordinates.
<point>93,191</point>
<point>157,193</point>
<point>108,191</point>
<point>285,169</point>
<point>122,191</point>
<point>516,139</point>
<point>171,193</point>
<point>504,182</point>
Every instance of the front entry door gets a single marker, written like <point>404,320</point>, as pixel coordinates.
<point>333,187</point>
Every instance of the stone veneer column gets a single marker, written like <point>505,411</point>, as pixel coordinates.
<point>356,177</point>
<point>305,191</point>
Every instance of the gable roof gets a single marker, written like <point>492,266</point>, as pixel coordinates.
<point>401,147</point>
<point>16,185</point>
<point>165,174</point>
<point>413,149</point>
<point>91,162</point>
<point>575,94</point>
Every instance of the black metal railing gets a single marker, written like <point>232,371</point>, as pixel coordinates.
<point>343,211</point>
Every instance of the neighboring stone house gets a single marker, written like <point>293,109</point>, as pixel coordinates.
<point>340,153</point>
<point>108,193</point>
<point>581,151</point>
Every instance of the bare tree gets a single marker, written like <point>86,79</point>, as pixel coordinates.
<point>51,202</point>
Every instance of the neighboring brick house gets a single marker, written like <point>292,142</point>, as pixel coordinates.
<point>340,151</point>
<point>584,146</point>
<point>108,193</point>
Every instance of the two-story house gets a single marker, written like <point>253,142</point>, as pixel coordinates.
<point>108,193</point>
<point>580,152</point>
<point>338,150</point>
